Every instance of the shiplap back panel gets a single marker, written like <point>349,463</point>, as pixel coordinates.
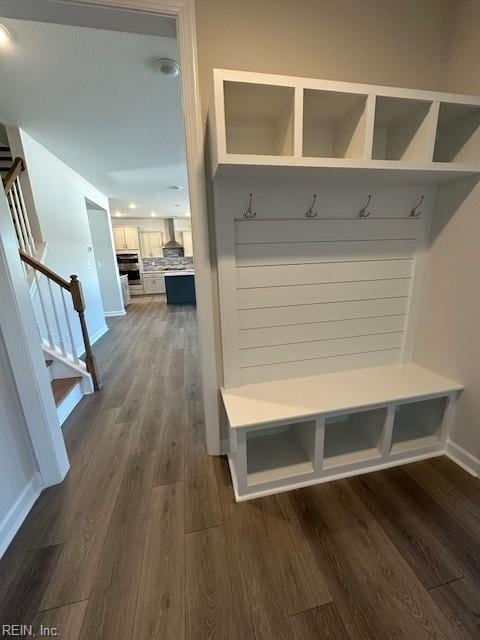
<point>346,263</point>
<point>305,296</point>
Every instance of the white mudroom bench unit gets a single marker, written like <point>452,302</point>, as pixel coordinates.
<point>323,196</point>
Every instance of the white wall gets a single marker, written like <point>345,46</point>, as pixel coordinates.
<point>450,311</point>
<point>105,261</point>
<point>18,467</point>
<point>60,194</point>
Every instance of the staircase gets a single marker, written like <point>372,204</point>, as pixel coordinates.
<point>6,160</point>
<point>58,304</point>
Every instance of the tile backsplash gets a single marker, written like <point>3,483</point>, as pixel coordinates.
<point>174,263</point>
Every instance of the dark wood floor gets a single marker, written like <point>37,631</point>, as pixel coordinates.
<point>144,541</point>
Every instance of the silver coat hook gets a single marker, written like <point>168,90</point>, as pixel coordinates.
<point>310,213</point>
<point>413,212</point>
<point>250,213</point>
<point>363,213</point>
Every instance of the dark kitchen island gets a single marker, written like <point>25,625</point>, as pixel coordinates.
<point>180,287</point>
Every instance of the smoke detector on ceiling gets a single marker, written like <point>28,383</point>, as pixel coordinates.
<point>167,67</point>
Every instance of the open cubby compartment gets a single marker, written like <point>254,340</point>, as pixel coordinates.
<point>418,425</point>
<point>284,451</point>
<point>458,133</point>
<point>334,124</point>
<point>403,129</point>
<point>353,437</point>
<point>259,119</point>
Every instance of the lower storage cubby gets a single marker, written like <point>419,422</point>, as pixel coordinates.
<point>417,425</point>
<point>353,438</point>
<point>280,452</point>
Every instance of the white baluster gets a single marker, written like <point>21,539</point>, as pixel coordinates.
<point>16,221</point>
<point>69,328</point>
<point>57,321</point>
<point>44,312</point>
<point>21,217</point>
<point>25,213</point>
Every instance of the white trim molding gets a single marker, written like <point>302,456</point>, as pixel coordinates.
<point>14,518</point>
<point>114,314</point>
<point>463,458</point>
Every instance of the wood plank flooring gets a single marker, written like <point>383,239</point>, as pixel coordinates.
<point>143,540</point>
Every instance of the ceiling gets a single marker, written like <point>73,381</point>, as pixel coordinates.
<point>94,98</point>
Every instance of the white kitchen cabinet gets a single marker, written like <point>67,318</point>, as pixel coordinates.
<point>151,244</point>
<point>126,238</point>
<point>125,290</point>
<point>154,283</point>
<point>187,243</point>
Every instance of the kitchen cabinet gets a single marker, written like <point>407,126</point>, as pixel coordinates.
<point>151,244</point>
<point>154,282</point>
<point>125,290</point>
<point>126,238</point>
<point>187,243</point>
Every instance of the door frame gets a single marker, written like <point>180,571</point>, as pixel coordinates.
<point>184,13</point>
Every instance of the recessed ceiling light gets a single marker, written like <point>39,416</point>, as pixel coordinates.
<point>132,205</point>
<point>5,36</point>
<point>153,214</point>
<point>167,67</point>
<point>118,214</point>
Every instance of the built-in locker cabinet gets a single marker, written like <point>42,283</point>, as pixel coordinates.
<point>323,196</point>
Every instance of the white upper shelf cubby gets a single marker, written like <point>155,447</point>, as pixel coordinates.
<point>259,119</point>
<point>334,124</point>
<point>404,129</point>
<point>270,125</point>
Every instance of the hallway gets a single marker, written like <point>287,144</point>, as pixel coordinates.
<point>143,539</point>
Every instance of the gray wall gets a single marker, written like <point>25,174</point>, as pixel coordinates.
<point>450,311</point>
<point>375,41</point>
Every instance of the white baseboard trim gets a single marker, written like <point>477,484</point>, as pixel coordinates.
<point>13,520</point>
<point>69,403</point>
<point>98,334</point>
<point>463,458</point>
<point>114,314</point>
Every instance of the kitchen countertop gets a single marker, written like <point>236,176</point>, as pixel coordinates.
<point>185,272</point>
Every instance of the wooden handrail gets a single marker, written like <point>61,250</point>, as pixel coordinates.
<point>15,170</point>
<point>39,266</point>
<point>75,289</point>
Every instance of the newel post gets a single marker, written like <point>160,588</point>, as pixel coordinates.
<point>79,306</point>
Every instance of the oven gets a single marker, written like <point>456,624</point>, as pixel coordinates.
<point>129,265</point>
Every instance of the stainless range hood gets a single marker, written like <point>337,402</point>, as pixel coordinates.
<point>172,248</point>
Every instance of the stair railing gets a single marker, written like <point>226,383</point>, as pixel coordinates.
<point>63,330</point>
<point>56,316</point>
<point>18,210</point>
